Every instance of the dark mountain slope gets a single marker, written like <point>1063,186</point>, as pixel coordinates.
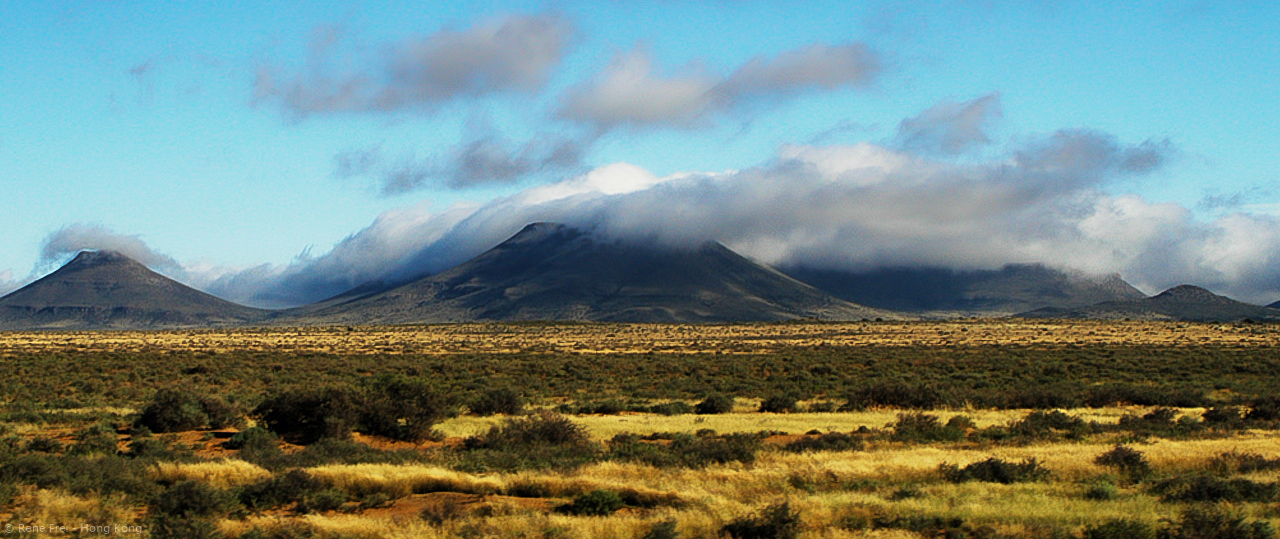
<point>554,272</point>
<point>1185,303</point>
<point>107,290</point>
<point>1012,289</point>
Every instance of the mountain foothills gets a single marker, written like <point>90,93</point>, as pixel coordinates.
<point>550,271</point>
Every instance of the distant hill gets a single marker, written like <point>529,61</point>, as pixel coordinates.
<point>550,271</point>
<point>1185,303</point>
<point>1013,289</point>
<point>107,290</point>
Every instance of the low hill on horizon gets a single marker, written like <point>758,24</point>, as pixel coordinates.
<point>549,271</point>
<point>108,290</point>
<point>1015,288</point>
<point>1182,303</point>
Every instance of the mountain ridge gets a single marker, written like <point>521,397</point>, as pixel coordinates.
<point>1187,303</point>
<point>108,290</point>
<point>551,271</point>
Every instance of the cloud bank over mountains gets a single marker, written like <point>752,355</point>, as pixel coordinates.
<point>852,207</point>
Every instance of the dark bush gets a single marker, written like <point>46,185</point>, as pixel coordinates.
<point>174,410</point>
<point>779,404</point>
<point>1206,521</point>
<point>662,530</point>
<point>1233,462</point>
<point>1223,417</point>
<point>596,503</point>
<point>194,499</point>
<point>773,522</point>
<point>1264,409</point>
<point>1101,492</point>
<point>894,395</point>
<point>503,400</point>
<point>714,403</point>
<point>162,526</point>
<point>1042,424</point>
<point>672,408</point>
<point>403,409</point>
<point>98,438</point>
<point>1120,529</point>
<point>252,436</point>
<point>543,428</point>
<point>307,416</point>
<point>1122,394</point>
<point>831,441</point>
<point>922,427</point>
<point>1208,488</point>
<point>1043,398</point>
<point>994,470</point>
<point>1130,462</point>
<point>1161,421</point>
<point>280,490</point>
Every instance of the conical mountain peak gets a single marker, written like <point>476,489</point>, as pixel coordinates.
<point>108,290</point>
<point>551,271</point>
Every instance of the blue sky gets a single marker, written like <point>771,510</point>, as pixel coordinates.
<point>225,139</point>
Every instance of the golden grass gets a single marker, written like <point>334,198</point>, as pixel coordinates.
<point>219,473</point>
<point>497,338</point>
<point>604,427</point>
<point>826,488</point>
<point>57,508</point>
<point>402,480</point>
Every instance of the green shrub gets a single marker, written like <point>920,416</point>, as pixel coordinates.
<point>1232,462</point>
<point>922,427</point>
<point>1206,521</point>
<point>280,490</point>
<point>174,410</point>
<point>1223,417</point>
<point>665,529</point>
<point>307,416</point>
<point>544,428</point>
<point>503,400</point>
<point>1120,529</point>
<point>1264,409</point>
<point>194,499</point>
<point>773,522</point>
<point>831,441</point>
<point>595,503</point>
<point>714,403</point>
<point>893,395</point>
<point>779,404</point>
<point>1208,488</point>
<point>402,409</point>
<point>1042,424</point>
<point>1128,461</point>
<point>542,440</point>
<point>1101,492</point>
<point>672,408</point>
<point>994,470</point>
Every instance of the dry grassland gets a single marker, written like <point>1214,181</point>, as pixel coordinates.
<point>645,338</point>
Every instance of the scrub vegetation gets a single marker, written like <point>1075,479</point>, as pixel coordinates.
<point>581,430</point>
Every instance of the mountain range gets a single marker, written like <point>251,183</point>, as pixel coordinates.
<point>1185,302</point>
<point>550,271</point>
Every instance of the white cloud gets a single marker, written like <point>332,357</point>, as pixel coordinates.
<point>7,282</point>
<point>632,92</point>
<point>514,53</point>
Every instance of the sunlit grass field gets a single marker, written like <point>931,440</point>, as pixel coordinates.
<point>72,453</point>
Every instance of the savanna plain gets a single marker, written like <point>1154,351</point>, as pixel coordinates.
<point>962,429</point>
